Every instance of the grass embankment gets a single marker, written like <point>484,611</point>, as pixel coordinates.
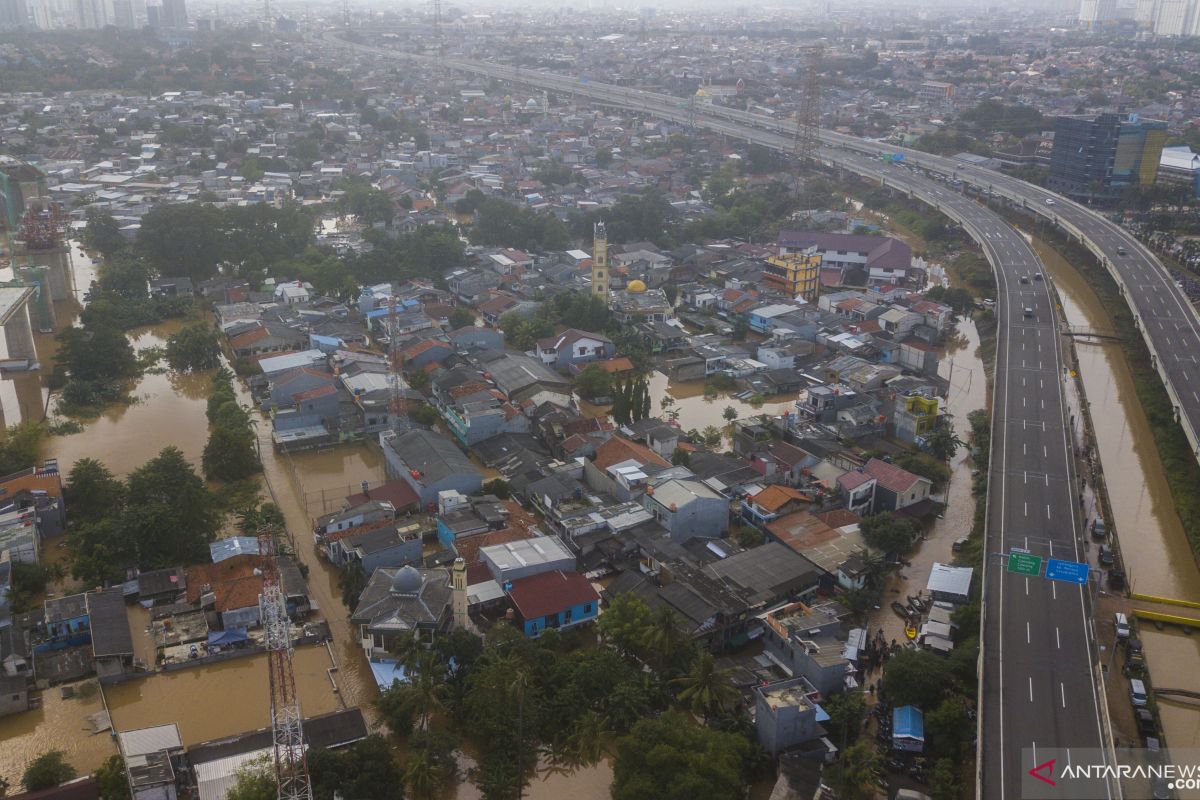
<point>1179,463</point>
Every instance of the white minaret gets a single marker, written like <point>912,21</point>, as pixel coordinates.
<point>458,582</point>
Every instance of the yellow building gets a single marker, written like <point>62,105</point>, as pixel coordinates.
<point>600,272</point>
<point>795,274</point>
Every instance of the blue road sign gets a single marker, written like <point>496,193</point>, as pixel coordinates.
<point>1066,571</point>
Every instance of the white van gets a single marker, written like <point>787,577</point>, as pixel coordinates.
<point>1121,622</point>
<point>1137,693</point>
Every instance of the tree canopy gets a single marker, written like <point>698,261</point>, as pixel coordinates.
<point>672,758</point>
<point>502,224</point>
<point>47,771</point>
<point>888,533</point>
<point>194,348</point>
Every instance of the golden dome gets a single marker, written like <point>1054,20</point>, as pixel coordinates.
<point>635,287</point>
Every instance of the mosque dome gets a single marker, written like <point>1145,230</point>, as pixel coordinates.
<point>636,287</point>
<point>407,581</point>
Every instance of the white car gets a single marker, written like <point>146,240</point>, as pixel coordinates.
<point>1049,201</point>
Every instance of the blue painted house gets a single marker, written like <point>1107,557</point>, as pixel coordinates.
<point>554,599</point>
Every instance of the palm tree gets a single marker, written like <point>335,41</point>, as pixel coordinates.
<point>422,775</point>
<point>874,566</point>
<point>706,690</point>
<point>422,693</point>
<point>855,775</point>
<point>587,742</point>
<point>665,638</point>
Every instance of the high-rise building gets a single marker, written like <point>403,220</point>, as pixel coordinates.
<point>600,271</point>
<point>13,14</point>
<point>1099,158</point>
<point>154,16</point>
<point>1093,13</point>
<point>123,16</point>
<point>174,14</point>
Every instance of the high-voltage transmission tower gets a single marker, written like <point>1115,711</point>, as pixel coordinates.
<point>287,730</point>
<point>808,118</point>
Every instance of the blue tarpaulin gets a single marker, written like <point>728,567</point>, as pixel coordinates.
<point>228,637</point>
<point>908,729</point>
<point>387,672</point>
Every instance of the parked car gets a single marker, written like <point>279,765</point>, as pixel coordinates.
<point>1099,529</point>
<point>1137,693</point>
<point>1145,722</point>
<point>1105,556</point>
<point>959,544</point>
<point>1116,579</point>
<point>1121,623</point>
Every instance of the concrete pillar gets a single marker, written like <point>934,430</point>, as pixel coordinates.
<point>18,334</point>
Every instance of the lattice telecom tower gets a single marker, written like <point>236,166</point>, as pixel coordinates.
<point>808,118</point>
<point>287,730</point>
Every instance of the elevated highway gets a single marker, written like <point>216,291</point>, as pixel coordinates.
<point>1040,690</point>
<point>1166,319</point>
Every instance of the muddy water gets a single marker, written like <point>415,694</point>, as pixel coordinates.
<point>961,366</point>
<point>218,700</point>
<point>168,409</point>
<point>58,725</point>
<point>1157,557</point>
<point>697,411</point>
<point>1156,553</point>
<point>1171,656</point>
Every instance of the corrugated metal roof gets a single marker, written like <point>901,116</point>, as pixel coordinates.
<point>144,741</point>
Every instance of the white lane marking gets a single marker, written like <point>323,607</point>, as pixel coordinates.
<point>1027,508</point>
<point>1062,688</point>
<point>1053,591</point>
<point>1027,587</point>
<point>1027,641</point>
<point>1031,688</point>
<point>1057,638</point>
<point>1047,511</point>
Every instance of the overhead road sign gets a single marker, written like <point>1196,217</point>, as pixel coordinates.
<point>1067,571</point>
<point>1025,564</point>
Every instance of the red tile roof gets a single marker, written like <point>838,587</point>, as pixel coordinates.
<point>775,497</point>
<point>233,581</point>
<point>546,593</point>
<point>396,492</point>
<point>853,479</point>
<point>839,517</point>
<point>618,449</point>
<point>890,477</point>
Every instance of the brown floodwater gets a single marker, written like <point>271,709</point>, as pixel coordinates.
<point>219,700</point>
<point>58,724</point>
<point>1158,558</point>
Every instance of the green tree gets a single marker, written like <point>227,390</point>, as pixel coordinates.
<point>888,533</point>
<point>172,517</point>
<point>229,454</point>
<point>97,352</point>
<point>712,436</point>
<point>92,491</point>
<point>681,457</point>
<point>593,381</point>
<point>366,769</point>
<point>368,204</point>
<point>255,781</point>
<point>704,689</point>
<point>182,239</point>
<point>461,317</point>
<point>604,157</point>
<point>948,729</point>
<point>669,645</point>
<point>855,775</point>
<point>917,677</point>
<point>942,443</point>
<point>194,348</point>
<point>47,771</point>
<point>672,758</point>
<point>111,779</point>
<point>102,233</point>
<point>498,487</point>
<point>730,413</point>
<point>125,275</point>
<point>846,711</point>
<point>943,780</point>
<point>624,624</point>
<point>22,448</point>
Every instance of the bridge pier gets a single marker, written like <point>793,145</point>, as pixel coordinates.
<point>14,316</point>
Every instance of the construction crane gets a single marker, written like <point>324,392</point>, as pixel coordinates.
<point>287,729</point>
<point>808,118</point>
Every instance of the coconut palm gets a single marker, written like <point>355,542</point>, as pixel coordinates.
<point>422,693</point>
<point>587,742</point>
<point>422,775</point>
<point>705,690</point>
<point>665,638</point>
